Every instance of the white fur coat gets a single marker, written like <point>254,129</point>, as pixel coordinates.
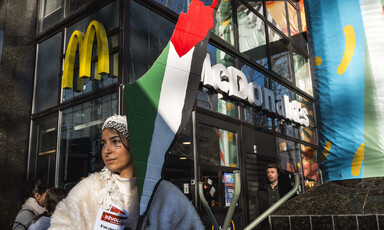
<point>80,208</point>
<point>169,209</point>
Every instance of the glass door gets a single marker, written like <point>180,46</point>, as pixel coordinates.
<point>217,156</point>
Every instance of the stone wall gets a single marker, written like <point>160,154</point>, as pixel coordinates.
<point>18,24</point>
<point>347,204</point>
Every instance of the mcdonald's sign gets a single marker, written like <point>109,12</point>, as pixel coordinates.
<point>84,44</point>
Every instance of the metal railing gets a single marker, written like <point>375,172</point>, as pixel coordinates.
<point>232,206</point>
<point>235,198</point>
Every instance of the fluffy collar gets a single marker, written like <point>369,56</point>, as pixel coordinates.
<point>110,193</point>
<point>31,202</point>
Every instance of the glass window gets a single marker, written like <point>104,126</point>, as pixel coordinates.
<point>178,167</point>
<point>293,19</point>
<point>43,149</point>
<point>253,75</point>
<point>50,12</point>
<point>277,15</point>
<point>209,98</point>
<point>107,16</point>
<point>218,188</point>
<point>310,167</point>
<point>279,54</point>
<point>253,114</point>
<point>256,117</point>
<point>80,136</point>
<point>176,5</point>
<point>149,35</point>
<point>302,73</point>
<point>180,5</point>
<point>73,5</point>
<point>219,56</point>
<point>252,39</point>
<point>284,124</point>
<point>217,146</point>
<point>256,5</point>
<point>211,188</point>
<point>308,133</point>
<point>47,73</point>
<point>91,84</point>
<point>288,155</point>
<point>302,16</point>
<point>224,22</point>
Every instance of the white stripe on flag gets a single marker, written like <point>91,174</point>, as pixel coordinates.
<point>168,119</point>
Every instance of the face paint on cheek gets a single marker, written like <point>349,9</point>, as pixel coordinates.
<point>118,147</point>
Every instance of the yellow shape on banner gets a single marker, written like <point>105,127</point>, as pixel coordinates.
<point>229,106</point>
<point>325,153</point>
<point>225,23</point>
<point>230,136</point>
<point>318,61</point>
<point>357,161</point>
<point>350,41</point>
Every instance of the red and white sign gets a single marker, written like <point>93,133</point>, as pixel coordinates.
<point>115,218</point>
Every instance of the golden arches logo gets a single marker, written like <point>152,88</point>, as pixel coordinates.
<point>232,223</point>
<point>84,43</point>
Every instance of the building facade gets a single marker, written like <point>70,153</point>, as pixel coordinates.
<point>261,46</point>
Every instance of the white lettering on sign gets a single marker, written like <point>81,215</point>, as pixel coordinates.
<point>234,83</point>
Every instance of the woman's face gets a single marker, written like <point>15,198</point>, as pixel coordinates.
<point>115,156</point>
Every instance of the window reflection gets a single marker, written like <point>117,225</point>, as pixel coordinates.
<point>180,5</point>
<point>310,167</point>
<point>209,98</point>
<point>74,5</point>
<point>288,155</point>
<point>302,16</point>
<point>149,35</point>
<point>43,149</point>
<point>252,39</point>
<point>302,73</point>
<point>224,22</point>
<point>217,146</point>
<point>50,13</point>
<point>256,117</point>
<point>211,189</point>
<point>252,114</point>
<point>308,133</point>
<point>80,136</point>
<point>91,84</point>
<point>253,75</point>
<point>178,167</point>
<point>279,54</point>
<point>293,19</point>
<point>276,14</point>
<point>47,74</point>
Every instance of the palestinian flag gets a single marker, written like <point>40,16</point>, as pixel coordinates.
<point>160,103</point>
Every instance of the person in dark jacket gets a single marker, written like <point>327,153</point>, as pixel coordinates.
<point>269,193</point>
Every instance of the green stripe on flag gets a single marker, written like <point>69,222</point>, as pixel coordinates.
<point>142,100</point>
